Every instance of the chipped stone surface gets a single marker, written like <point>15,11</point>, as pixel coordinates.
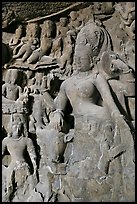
<point>68,102</point>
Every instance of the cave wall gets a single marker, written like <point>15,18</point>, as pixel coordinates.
<point>68,135</point>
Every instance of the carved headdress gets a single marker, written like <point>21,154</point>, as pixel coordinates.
<point>97,37</point>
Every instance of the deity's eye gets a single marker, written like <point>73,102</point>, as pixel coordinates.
<point>96,33</point>
<point>113,56</point>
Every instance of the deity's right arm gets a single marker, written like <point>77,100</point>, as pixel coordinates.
<point>20,91</point>
<point>17,46</point>
<point>4,90</point>
<point>58,31</point>
<point>20,44</point>
<point>60,104</point>
<point>61,100</point>
<point>4,145</point>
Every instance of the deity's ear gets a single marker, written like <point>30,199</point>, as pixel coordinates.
<point>11,122</point>
<point>91,64</point>
<point>12,119</point>
<point>88,46</point>
<point>105,62</point>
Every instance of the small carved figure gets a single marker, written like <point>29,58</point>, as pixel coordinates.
<point>19,168</point>
<point>75,24</point>
<point>47,34</point>
<point>38,112</point>
<point>10,89</point>
<point>28,43</point>
<point>66,59</point>
<point>62,27</point>
<point>32,30</point>
<point>42,102</point>
<point>16,37</point>
<point>127,17</point>
<point>27,47</point>
<point>58,42</point>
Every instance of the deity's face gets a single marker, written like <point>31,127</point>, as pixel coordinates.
<point>17,130</point>
<point>82,62</point>
<point>73,15</point>
<point>131,16</point>
<point>19,30</point>
<point>63,21</point>
<point>14,76</point>
<point>7,76</point>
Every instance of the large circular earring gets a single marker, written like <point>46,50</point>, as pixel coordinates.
<point>91,65</point>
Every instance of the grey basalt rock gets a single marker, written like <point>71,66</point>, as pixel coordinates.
<point>68,102</point>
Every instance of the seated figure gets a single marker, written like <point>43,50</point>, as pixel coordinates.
<point>45,42</point>
<point>28,43</point>
<point>15,40</point>
<point>127,18</point>
<point>10,90</point>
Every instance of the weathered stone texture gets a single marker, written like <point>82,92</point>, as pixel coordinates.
<point>68,102</point>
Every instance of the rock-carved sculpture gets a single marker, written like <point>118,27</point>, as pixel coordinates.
<point>75,24</point>
<point>95,114</point>
<point>127,17</point>
<point>121,77</point>
<point>70,92</point>
<point>10,89</point>
<point>14,99</point>
<point>62,28</point>
<point>66,59</point>
<point>20,168</point>
<point>27,48</point>
<point>28,43</point>
<point>47,34</point>
<point>15,40</point>
<point>42,104</point>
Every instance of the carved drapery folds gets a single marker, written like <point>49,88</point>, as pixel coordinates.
<point>68,105</point>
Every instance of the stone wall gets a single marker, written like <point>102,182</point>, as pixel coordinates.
<point>68,101</point>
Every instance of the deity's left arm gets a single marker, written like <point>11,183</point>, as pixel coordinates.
<point>32,153</point>
<point>4,90</point>
<point>117,117</point>
<point>20,91</point>
<point>104,89</point>
<point>4,145</point>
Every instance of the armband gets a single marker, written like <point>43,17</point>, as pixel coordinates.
<point>115,112</point>
<point>127,71</point>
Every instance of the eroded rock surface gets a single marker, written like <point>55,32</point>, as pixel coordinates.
<point>68,102</point>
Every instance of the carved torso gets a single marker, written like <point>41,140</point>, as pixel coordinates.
<point>84,96</point>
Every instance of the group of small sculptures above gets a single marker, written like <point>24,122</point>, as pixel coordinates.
<point>49,44</point>
<point>68,100</point>
<point>52,43</point>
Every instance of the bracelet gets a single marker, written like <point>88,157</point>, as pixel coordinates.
<point>59,111</point>
<point>131,81</point>
<point>113,113</point>
<point>117,114</point>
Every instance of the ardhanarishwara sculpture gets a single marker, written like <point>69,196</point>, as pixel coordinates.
<point>68,106</point>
